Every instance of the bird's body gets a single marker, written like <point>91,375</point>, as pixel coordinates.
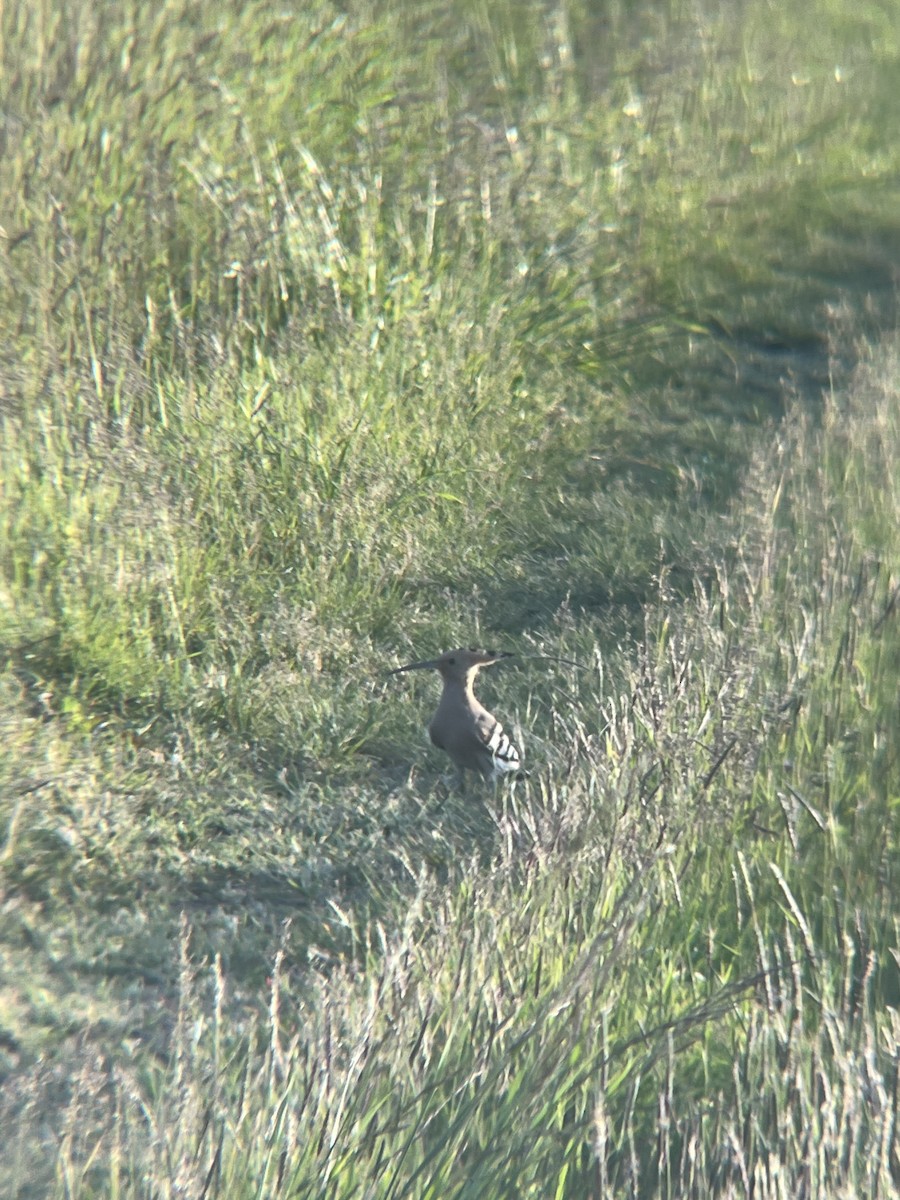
<point>462,726</point>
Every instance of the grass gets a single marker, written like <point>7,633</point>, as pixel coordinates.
<point>332,339</point>
<point>675,972</point>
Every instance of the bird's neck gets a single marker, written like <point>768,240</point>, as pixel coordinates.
<point>460,689</point>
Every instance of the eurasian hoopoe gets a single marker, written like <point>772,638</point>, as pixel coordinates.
<point>461,726</point>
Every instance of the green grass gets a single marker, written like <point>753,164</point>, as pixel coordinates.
<point>332,339</point>
<point>675,971</point>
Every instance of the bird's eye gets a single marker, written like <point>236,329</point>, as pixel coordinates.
<point>451,662</point>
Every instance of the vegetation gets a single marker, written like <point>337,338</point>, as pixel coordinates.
<point>331,339</point>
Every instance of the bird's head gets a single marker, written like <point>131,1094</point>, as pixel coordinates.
<point>457,664</point>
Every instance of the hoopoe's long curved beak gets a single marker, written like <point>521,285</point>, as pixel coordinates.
<point>431,664</point>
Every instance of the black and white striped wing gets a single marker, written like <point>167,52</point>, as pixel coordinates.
<point>504,756</point>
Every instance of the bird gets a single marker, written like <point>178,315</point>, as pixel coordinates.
<point>463,727</point>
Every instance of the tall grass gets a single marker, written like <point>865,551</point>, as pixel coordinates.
<point>328,338</point>
<point>295,302</point>
<point>676,973</point>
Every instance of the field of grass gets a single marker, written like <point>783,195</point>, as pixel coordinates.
<point>331,339</point>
